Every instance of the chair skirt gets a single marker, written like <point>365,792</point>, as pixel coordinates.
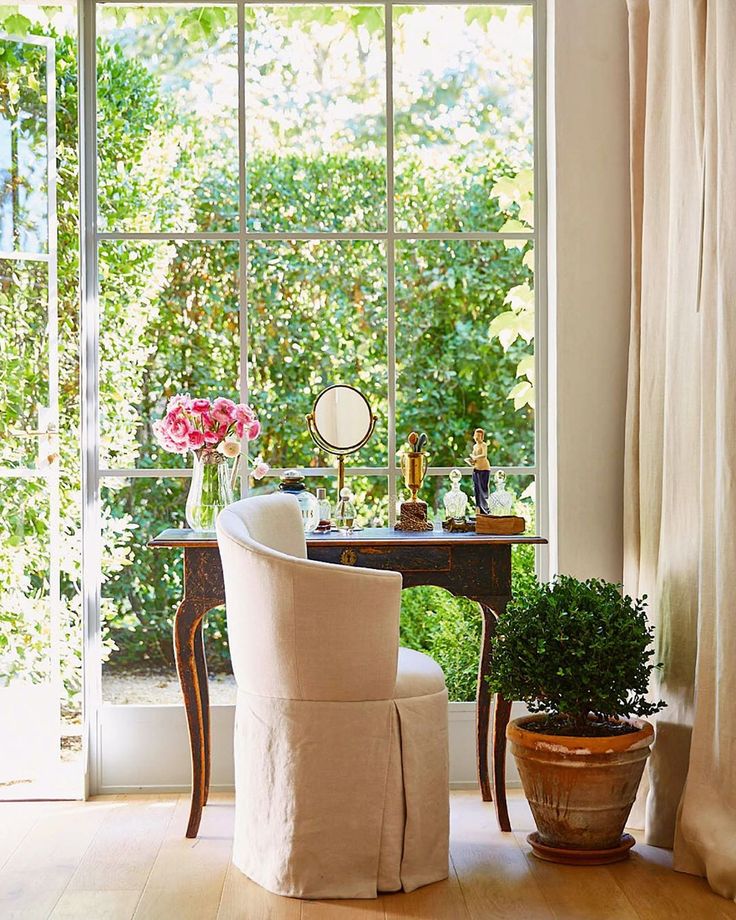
<point>341,799</point>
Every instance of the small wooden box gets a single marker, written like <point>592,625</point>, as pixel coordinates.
<point>498,524</point>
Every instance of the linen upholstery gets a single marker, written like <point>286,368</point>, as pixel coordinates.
<point>341,758</point>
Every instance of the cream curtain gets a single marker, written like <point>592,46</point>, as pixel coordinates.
<point>681,451</point>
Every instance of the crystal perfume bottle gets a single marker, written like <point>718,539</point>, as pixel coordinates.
<point>455,500</point>
<point>345,512</point>
<point>500,501</point>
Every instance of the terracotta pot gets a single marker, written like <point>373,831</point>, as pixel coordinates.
<point>580,790</point>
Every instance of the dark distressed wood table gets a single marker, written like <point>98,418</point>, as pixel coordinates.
<point>467,565</point>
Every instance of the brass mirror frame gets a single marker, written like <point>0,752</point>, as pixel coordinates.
<point>340,452</point>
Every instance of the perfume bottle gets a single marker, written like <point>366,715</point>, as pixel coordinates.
<point>500,501</point>
<point>324,512</point>
<point>345,512</point>
<point>455,500</point>
<point>293,483</point>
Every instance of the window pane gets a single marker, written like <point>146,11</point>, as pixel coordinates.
<point>23,147</point>
<point>141,588</point>
<point>316,122</point>
<point>168,324</point>
<point>317,315</point>
<point>463,95</point>
<point>167,117</point>
<point>464,348</point>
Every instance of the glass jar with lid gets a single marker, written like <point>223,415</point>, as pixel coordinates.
<point>293,483</point>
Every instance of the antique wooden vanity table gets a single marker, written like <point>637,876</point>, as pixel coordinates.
<point>468,565</point>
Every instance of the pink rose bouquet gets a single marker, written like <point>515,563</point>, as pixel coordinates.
<point>212,430</point>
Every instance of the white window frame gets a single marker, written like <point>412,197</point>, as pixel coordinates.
<point>93,475</point>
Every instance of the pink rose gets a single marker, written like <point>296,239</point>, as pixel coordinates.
<point>178,427</point>
<point>180,401</point>
<point>260,469</point>
<point>165,439</point>
<point>190,424</point>
<point>223,410</point>
<point>243,413</point>
<point>199,406</point>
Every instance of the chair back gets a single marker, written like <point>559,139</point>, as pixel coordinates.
<point>300,629</point>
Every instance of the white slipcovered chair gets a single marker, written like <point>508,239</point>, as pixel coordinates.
<point>341,757</point>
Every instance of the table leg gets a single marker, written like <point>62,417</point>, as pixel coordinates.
<point>501,716</point>
<point>483,709</point>
<point>190,664</point>
<point>204,689</point>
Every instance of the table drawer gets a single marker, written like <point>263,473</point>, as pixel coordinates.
<point>395,558</point>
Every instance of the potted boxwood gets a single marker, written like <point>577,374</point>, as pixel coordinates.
<point>578,653</point>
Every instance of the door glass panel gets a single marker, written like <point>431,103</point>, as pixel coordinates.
<point>24,357</point>
<point>23,147</point>
<point>29,637</point>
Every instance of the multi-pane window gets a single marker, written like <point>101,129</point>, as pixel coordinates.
<point>295,195</point>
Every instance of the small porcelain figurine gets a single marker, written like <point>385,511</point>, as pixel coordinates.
<point>478,459</point>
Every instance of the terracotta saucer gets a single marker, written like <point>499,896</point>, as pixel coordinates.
<point>569,857</point>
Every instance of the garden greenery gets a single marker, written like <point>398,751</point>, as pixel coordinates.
<point>571,648</point>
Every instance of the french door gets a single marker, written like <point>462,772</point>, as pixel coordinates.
<point>33,632</point>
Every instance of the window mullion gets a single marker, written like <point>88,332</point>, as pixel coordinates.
<point>242,239</point>
<point>390,265</point>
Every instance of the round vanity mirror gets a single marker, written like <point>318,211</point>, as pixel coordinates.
<point>342,419</point>
<point>340,423</point>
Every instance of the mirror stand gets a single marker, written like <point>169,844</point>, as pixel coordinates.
<point>340,423</point>
<point>332,450</point>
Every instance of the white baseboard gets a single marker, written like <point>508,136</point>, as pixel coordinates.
<point>146,749</point>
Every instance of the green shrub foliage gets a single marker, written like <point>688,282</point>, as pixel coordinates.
<point>574,647</point>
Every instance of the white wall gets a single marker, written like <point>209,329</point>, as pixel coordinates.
<point>589,239</point>
<point>147,748</point>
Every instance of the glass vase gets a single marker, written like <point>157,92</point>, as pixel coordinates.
<point>210,490</point>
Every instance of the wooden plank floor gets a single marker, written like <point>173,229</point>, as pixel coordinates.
<point>123,857</point>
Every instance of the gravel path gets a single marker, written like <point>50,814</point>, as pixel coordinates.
<point>159,687</point>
